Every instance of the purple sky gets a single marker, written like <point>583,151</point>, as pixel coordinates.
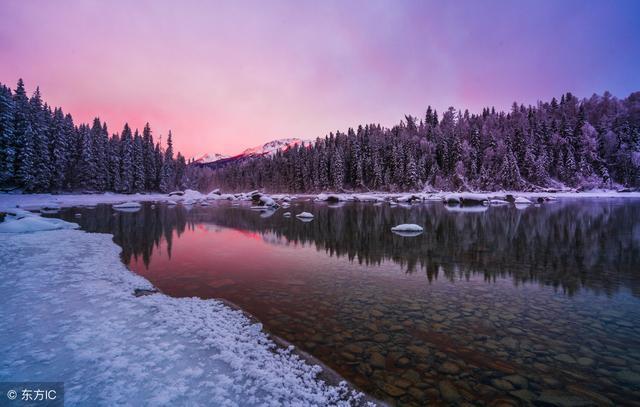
<point>229,75</point>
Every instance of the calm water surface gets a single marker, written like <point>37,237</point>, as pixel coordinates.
<point>500,307</point>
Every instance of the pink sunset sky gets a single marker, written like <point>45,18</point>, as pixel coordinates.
<point>224,76</point>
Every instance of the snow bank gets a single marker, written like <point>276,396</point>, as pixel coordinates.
<point>43,201</point>
<point>69,313</point>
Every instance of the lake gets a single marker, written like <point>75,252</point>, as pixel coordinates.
<point>501,306</point>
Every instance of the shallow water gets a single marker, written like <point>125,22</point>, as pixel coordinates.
<point>503,305</point>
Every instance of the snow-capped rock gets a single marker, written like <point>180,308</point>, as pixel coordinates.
<point>304,215</point>
<point>407,227</point>
<point>407,230</point>
<point>267,201</point>
<point>498,202</point>
<point>522,201</point>
<point>330,198</point>
<point>128,205</point>
<point>367,198</point>
<point>466,198</point>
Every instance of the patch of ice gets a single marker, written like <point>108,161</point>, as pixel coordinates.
<point>30,224</point>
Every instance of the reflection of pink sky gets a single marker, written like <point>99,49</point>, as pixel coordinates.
<point>226,76</point>
<point>221,255</point>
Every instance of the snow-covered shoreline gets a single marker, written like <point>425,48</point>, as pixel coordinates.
<point>37,201</point>
<point>70,315</point>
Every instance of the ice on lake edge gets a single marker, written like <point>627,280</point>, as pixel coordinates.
<point>71,316</point>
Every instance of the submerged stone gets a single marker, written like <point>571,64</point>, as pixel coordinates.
<point>448,391</point>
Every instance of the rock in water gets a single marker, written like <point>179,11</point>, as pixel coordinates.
<point>448,391</point>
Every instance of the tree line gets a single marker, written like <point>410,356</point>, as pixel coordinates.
<point>42,150</point>
<point>589,143</point>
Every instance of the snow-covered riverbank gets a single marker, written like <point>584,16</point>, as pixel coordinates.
<point>37,201</point>
<point>69,314</point>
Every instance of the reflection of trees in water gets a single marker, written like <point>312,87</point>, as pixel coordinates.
<point>567,245</point>
<point>138,233</point>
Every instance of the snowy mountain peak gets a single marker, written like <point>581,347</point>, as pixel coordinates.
<point>273,147</point>
<point>209,158</point>
<point>266,149</point>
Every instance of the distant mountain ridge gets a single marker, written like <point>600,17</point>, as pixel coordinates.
<point>264,150</point>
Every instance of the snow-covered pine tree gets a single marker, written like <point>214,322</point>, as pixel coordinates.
<point>114,163</point>
<point>138,163</point>
<point>510,173</point>
<point>41,165</point>
<point>100,136</point>
<point>159,159</point>
<point>411,180</point>
<point>7,137</point>
<point>337,170</point>
<point>26,158</point>
<point>60,152</point>
<point>168,177</point>
<point>126,160</point>
<point>87,164</point>
<point>149,158</point>
<point>180,168</point>
<point>74,144</point>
